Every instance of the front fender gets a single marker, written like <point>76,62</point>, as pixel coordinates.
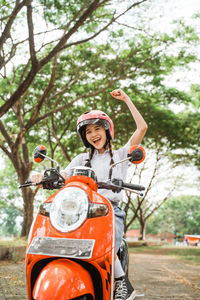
<point>62,279</point>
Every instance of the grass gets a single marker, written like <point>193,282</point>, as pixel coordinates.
<point>12,242</point>
<point>190,254</point>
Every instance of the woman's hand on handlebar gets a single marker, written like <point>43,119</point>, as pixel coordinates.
<point>63,174</point>
<point>36,178</point>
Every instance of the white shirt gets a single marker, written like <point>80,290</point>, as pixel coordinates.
<point>100,163</point>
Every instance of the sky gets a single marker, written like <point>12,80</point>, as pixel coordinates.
<point>183,9</point>
<point>161,14</point>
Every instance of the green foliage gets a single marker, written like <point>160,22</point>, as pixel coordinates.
<point>8,221</point>
<point>60,13</point>
<point>5,7</point>
<point>14,242</point>
<point>10,207</point>
<point>180,215</point>
<point>84,75</point>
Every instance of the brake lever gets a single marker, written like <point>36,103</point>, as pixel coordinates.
<point>137,193</point>
<point>118,187</point>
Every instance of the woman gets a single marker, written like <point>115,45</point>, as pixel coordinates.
<point>96,131</point>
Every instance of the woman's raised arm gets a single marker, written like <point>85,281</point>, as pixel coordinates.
<point>141,129</point>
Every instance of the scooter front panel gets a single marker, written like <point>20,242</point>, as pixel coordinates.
<point>99,232</point>
<point>63,279</point>
<point>96,234</point>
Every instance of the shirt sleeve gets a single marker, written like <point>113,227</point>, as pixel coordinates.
<point>122,152</point>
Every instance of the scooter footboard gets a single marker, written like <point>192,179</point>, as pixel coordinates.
<point>63,279</point>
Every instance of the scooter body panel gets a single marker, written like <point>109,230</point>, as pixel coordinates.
<point>100,263</point>
<point>62,279</point>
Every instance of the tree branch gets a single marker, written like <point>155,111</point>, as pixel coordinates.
<point>6,33</point>
<point>44,96</point>
<point>153,175</point>
<point>34,70</point>
<point>65,106</point>
<point>31,75</point>
<point>93,6</point>
<point>104,28</point>
<point>89,38</point>
<point>31,35</point>
<point>5,150</point>
<point>59,140</point>
<point>5,134</point>
<point>24,129</point>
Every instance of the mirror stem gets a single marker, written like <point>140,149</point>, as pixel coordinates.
<point>113,165</point>
<point>57,166</point>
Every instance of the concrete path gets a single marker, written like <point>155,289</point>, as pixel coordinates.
<point>164,277</point>
<point>12,281</point>
<point>155,276</point>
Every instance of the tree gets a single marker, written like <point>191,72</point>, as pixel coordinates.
<point>11,209</point>
<point>84,15</point>
<point>158,189</point>
<point>42,97</point>
<point>192,127</point>
<point>17,87</point>
<point>9,216</point>
<point>179,215</point>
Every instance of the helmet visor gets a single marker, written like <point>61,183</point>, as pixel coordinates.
<point>101,122</point>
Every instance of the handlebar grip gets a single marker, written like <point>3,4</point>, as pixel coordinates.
<point>26,184</point>
<point>136,187</point>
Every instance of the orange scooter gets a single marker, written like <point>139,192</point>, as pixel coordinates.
<point>71,244</point>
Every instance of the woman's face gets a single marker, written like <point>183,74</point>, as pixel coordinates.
<point>96,136</point>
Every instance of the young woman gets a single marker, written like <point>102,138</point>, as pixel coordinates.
<point>96,131</point>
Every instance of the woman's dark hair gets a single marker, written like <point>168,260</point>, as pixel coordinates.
<point>88,161</point>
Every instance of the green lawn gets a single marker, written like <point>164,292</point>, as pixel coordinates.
<point>191,254</point>
<point>11,242</point>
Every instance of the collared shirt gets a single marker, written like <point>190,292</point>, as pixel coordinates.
<point>100,163</point>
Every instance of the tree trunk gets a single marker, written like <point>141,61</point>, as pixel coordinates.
<point>142,230</point>
<point>28,198</point>
<point>23,169</point>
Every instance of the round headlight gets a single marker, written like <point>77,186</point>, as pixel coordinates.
<point>69,209</point>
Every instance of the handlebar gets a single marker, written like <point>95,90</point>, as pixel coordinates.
<point>28,183</point>
<point>52,180</point>
<point>47,184</point>
<point>136,187</point>
<point>116,185</point>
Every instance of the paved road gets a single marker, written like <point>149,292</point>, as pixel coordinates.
<point>156,276</point>
<point>164,277</point>
<point>12,281</point>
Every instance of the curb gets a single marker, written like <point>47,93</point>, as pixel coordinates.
<point>15,253</point>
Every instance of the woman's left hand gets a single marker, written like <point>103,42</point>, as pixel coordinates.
<point>119,94</point>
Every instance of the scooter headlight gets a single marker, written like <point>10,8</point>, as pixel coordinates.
<point>69,209</point>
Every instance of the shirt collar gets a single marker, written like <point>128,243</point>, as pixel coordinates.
<point>97,153</point>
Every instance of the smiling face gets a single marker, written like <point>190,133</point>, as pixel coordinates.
<point>96,136</point>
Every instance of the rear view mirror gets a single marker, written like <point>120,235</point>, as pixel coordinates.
<point>39,153</point>
<point>136,154</point>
